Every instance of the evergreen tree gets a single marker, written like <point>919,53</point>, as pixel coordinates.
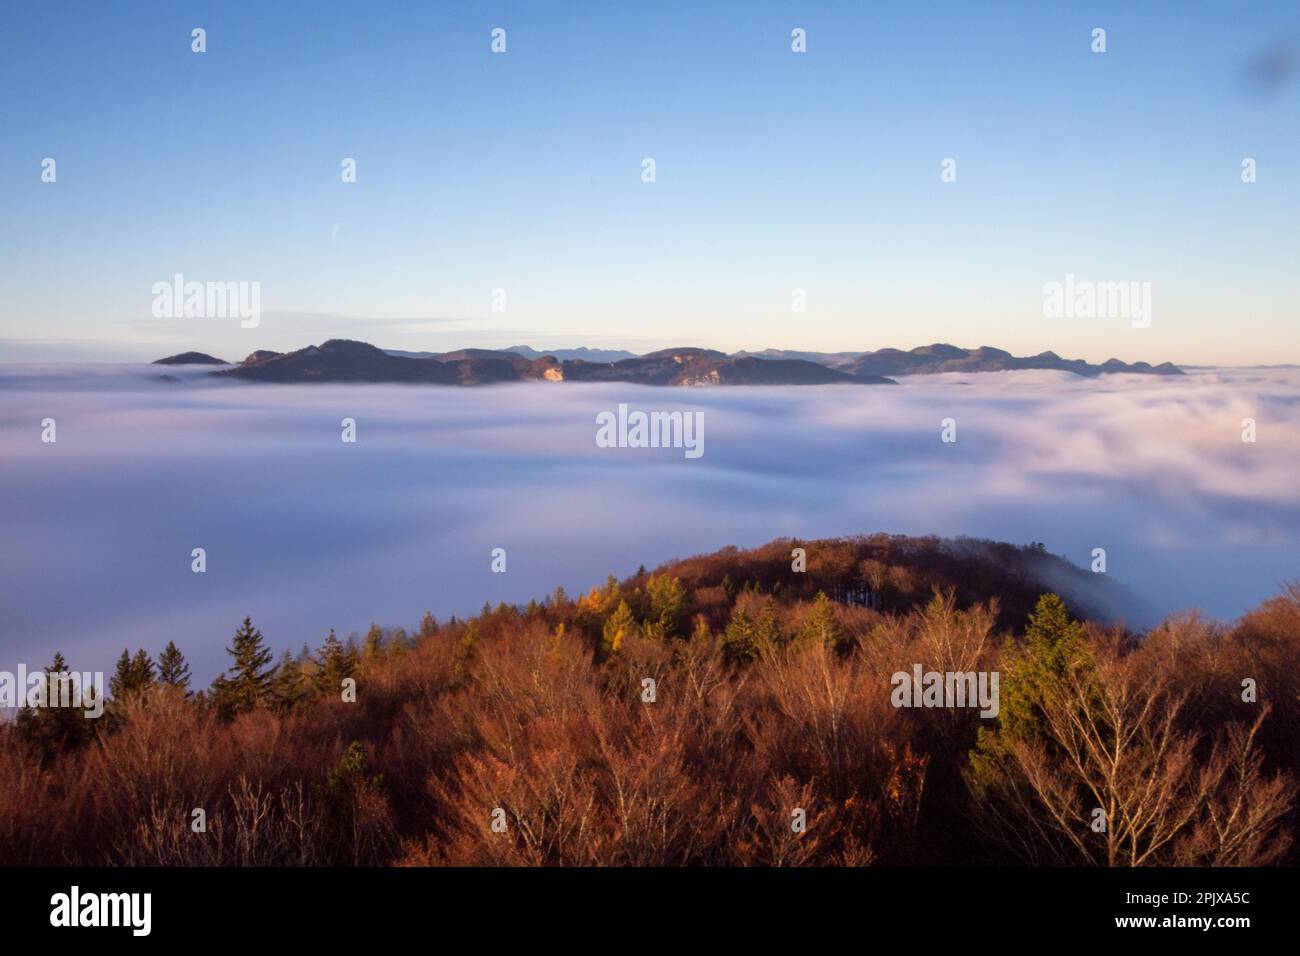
<point>337,663</point>
<point>822,625</point>
<point>173,670</point>
<point>288,684</point>
<point>616,628</point>
<point>374,643</point>
<point>667,595</point>
<point>729,588</point>
<point>142,670</point>
<point>428,625</point>
<point>739,642</point>
<point>132,676</point>
<point>249,682</point>
<point>609,595</point>
<point>469,640</point>
<point>57,724</point>
<point>1053,644</point>
<point>768,631</point>
<point>120,682</point>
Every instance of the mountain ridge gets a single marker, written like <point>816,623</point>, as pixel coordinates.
<point>346,360</point>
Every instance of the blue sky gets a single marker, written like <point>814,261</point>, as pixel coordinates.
<point>775,171</point>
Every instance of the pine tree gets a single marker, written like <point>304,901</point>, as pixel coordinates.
<point>469,640</point>
<point>173,670</point>
<point>1053,644</point>
<point>428,625</point>
<point>57,724</point>
<point>132,676</point>
<point>822,625</point>
<point>739,643</point>
<point>374,644</point>
<point>248,685</point>
<point>768,631</point>
<point>142,671</point>
<point>616,628</point>
<point>337,662</point>
<point>606,599</point>
<point>288,684</point>
<point>667,595</point>
<point>119,684</point>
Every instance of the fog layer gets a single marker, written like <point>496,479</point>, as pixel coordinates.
<point>305,532</point>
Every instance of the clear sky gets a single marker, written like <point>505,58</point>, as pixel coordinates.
<point>775,171</point>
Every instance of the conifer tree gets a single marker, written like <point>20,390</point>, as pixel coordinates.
<point>53,727</point>
<point>768,631</point>
<point>739,643</point>
<point>667,595</point>
<point>1053,644</point>
<point>428,625</point>
<point>337,663</point>
<point>173,670</point>
<point>822,626</point>
<point>132,676</point>
<point>610,595</point>
<point>248,685</point>
<point>120,682</point>
<point>142,670</point>
<point>616,629</point>
<point>288,684</point>
<point>373,648</point>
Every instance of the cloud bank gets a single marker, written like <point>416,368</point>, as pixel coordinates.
<point>304,532</point>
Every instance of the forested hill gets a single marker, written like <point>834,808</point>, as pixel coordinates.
<point>896,573</point>
<point>677,718</point>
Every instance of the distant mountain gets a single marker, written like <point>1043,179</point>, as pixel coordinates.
<point>190,358</point>
<point>692,366</point>
<point>821,358</point>
<point>940,357</point>
<point>342,360</point>
<point>583,354</point>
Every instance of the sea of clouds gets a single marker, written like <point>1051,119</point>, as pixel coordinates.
<point>304,532</point>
